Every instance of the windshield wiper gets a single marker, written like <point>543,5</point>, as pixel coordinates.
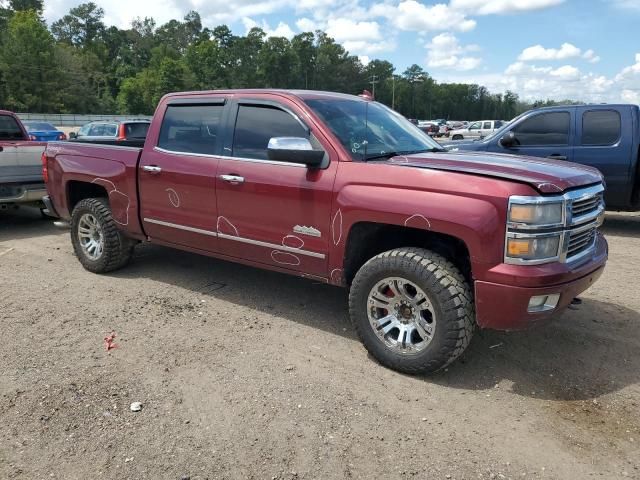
<point>408,152</point>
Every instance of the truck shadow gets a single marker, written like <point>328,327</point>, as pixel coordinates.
<point>582,355</point>
<point>622,224</point>
<point>26,222</point>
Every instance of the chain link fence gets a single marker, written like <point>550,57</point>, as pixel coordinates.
<point>73,120</point>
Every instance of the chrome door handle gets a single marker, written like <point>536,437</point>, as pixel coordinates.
<point>233,179</point>
<point>151,169</point>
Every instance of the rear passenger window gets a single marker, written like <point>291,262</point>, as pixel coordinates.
<point>191,128</point>
<point>136,130</point>
<point>600,127</point>
<point>256,125</point>
<point>544,129</point>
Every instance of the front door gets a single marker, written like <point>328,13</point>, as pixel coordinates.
<point>547,134</point>
<point>271,212</point>
<point>177,176</point>
<point>475,130</point>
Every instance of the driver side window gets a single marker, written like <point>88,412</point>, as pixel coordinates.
<point>474,126</point>
<point>257,124</point>
<point>544,129</point>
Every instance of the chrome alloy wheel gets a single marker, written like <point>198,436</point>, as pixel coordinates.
<point>401,315</point>
<point>90,236</point>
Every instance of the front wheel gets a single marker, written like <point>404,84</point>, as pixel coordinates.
<point>412,309</point>
<point>457,137</point>
<point>98,243</point>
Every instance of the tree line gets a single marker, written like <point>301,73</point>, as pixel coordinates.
<point>80,65</point>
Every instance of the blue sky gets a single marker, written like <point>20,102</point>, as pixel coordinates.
<point>580,49</point>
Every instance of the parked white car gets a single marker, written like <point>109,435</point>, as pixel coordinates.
<point>478,129</point>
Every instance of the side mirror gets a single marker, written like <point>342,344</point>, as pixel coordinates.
<point>509,139</point>
<point>73,136</point>
<point>294,150</point>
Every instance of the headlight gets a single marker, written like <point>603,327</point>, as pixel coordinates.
<point>533,248</point>
<point>536,215</point>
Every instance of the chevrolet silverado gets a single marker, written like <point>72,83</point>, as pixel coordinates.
<point>343,190</point>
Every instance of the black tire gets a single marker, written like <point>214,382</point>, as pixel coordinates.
<point>457,137</point>
<point>118,248</point>
<point>450,296</point>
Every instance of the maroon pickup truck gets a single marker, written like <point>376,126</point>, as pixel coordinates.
<point>343,190</point>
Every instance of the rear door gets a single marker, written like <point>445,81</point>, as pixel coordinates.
<point>271,212</point>
<point>545,134</point>
<point>177,174</point>
<point>601,144</point>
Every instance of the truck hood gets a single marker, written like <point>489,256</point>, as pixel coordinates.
<point>546,176</point>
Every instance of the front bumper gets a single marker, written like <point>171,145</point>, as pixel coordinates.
<point>505,307</point>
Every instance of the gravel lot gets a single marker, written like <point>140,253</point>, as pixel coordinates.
<point>244,373</point>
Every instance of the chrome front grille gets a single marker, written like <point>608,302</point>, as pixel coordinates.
<point>585,206</point>
<point>580,241</point>
<point>585,214</point>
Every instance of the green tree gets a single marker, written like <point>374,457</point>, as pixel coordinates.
<point>28,66</point>
<point>81,27</point>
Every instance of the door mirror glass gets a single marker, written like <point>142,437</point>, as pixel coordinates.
<point>295,150</point>
<point>509,139</point>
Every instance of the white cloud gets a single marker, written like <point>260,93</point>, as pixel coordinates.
<point>344,29</point>
<point>629,81</point>
<point>591,56</point>
<point>566,72</point>
<point>538,52</point>
<point>306,25</point>
<point>414,16</point>
<point>364,60</point>
<point>533,82</point>
<point>487,7</point>
<point>444,51</point>
<point>630,96</point>
<point>282,30</point>
<point>361,38</point>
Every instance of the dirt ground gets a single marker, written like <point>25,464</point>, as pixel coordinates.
<point>244,373</point>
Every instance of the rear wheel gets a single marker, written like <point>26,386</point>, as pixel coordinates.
<point>98,243</point>
<point>412,309</point>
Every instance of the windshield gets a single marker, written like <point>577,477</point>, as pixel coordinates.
<point>33,126</point>
<point>370,130</point>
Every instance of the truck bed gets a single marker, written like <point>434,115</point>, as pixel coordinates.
<point>110,167</point>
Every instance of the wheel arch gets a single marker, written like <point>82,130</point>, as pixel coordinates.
<point>368,239</point>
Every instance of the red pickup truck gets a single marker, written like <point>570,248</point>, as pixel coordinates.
<point>343,190</point>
